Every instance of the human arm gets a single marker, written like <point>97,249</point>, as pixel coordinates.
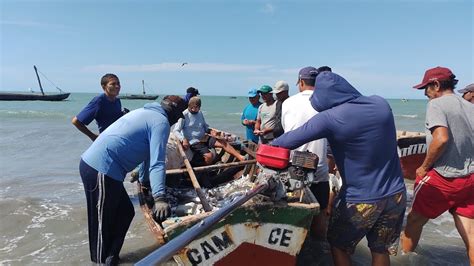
<point>278,129</point>
<point>435,150</point>
<point>158,138</point>
<point>79,125</point>
<point>316,128</point>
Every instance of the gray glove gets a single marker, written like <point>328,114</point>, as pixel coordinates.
<point>162,209</point>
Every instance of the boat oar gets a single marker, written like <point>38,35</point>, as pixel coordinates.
<point>164,253</point>
<point>194,180</point>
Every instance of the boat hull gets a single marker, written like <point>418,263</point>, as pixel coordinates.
<point>412,152</point>
<point>138,97</point>
<point>32,97</point>
<point>254,234</point>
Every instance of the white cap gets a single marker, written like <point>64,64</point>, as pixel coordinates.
<point>280,86</point>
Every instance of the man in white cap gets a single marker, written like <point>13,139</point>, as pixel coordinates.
<point>468,93</point>
<point>280,89</point>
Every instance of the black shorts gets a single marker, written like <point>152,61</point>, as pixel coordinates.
<point>321,193</point>
<point>202,148</point>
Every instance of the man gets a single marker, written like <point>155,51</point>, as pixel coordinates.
<point>193,132</point>
<point>140,135</point>
<point>266,116</point>
<point>190,92</point>
<point>280,90</point>
<point>445,180</point>
<point>468,93</point>
<point>249,115</point>
<point>296,111</point>
<point>105,108</point>
<point>361,132</point>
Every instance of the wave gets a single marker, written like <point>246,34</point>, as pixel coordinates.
<point>31,114</point>
<point>407,116</point>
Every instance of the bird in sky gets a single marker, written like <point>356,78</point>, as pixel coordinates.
<point>185,63</point>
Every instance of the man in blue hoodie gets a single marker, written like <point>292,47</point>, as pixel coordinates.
<point>362,136</point>
<point>140,135</point>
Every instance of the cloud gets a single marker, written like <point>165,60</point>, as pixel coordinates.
<point>176,66</point>
<point>30,24</point>
<point>268,8</point>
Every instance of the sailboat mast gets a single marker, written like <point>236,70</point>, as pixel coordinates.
<point>39,81</point>
<point>143,84</point>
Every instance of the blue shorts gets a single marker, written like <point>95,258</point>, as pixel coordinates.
<point>381,222</point>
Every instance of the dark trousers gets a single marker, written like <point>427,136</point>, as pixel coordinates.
<point>109,213</point>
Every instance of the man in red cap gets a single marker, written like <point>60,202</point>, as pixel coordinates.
<point>445,180</point>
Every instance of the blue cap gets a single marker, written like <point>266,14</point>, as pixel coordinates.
<point>307,73</point>
<point>252,93</point>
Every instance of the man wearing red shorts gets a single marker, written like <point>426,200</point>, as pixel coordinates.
<point>445,180</point>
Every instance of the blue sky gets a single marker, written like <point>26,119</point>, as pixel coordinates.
<point>380,47</point>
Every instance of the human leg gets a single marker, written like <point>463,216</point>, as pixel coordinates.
<point>412,233</point>
<point>123,218</point>
<point>340,257</point>
<point>465,227</point>
<point>89,180</point>
<point>380,259</point>
<point>320,221</point>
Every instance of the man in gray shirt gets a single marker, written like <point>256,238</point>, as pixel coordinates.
<point>445,180</point>
<point>266,115</point>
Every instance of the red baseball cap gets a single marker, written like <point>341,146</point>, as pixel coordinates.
<point>437,73</point>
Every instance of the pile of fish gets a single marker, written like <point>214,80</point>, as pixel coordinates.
<point>184,201</point>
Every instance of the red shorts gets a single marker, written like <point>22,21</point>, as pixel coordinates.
<point>435,194</point>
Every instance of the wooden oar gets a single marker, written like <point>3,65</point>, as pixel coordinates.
<point>197,187</point>
<point>210,167</point>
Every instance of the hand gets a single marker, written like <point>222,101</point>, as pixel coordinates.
<point>162,210</point>
<point>245,122</point>
<point>125,110</point>
<point>257,132</point>
<point>185,144</point>
<point>421,171</point>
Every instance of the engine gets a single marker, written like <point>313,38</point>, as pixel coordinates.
<point>295,175</point>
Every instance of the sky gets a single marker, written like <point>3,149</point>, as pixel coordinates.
<point>381,47</point>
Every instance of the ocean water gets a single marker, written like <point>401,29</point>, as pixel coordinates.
<point>43,215</point>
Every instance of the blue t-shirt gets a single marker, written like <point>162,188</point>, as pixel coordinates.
<point>250,112</point>
<point>104,111</point>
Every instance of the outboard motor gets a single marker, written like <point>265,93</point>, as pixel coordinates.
<point>283,172</point>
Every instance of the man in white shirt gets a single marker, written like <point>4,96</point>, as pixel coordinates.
<point>296,111</point>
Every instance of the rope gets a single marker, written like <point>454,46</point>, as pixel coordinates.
<point>50,81</point>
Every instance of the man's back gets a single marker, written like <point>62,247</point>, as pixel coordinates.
<point>456,114</point>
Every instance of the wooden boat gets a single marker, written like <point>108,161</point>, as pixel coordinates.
<point>412,151</point>
<point>143,96</point>
<point>260,232</point>
<point>7,96</point>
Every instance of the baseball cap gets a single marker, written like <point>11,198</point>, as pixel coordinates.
<point>265,89</point>
<point>280,86</point>
<point>307,73</point>
<point>252,93</point>
<point>433,74</point>
<point>192,90</point>
<point>468,88</point>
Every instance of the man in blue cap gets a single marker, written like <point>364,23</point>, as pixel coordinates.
<point>249,115</point>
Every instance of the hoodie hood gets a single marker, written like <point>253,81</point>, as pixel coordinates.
<point>331,90</point>
<point>155,107</point>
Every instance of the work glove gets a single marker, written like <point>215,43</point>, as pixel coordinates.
<point>162,209</point>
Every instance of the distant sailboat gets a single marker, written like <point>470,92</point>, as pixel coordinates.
<point>11,96</point>
<point>143,96</point>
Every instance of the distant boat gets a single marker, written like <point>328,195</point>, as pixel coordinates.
<point>11,96</point>
<point>404,100</point>
<point>233,97</point>
<point>143,96</point>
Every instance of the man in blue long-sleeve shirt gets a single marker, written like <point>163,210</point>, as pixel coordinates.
<point>361,132</point>
<point>138,136</point>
